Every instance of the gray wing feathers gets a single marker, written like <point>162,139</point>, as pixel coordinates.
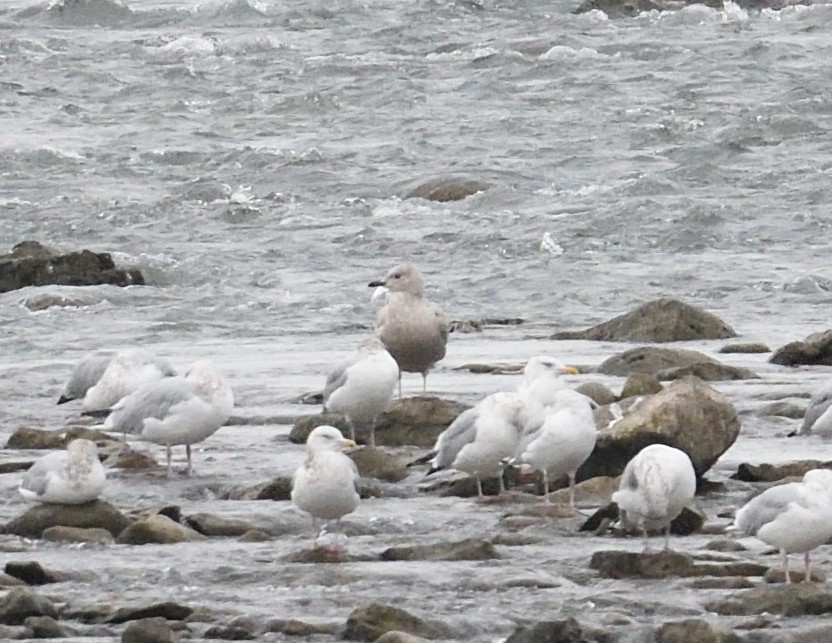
<point>820,401</point>
<point>337,377</point>
<point>35,477</point>
<point>153,401</point>
<point>462,431</point>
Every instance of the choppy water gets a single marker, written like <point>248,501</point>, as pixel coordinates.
<point>252,157</point>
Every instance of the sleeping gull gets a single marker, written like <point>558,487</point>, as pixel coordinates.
<point>795,517</point>
<point>655,486</point>
<point>362,385</point>
<point>561,443</point>
<point>325,485</point>
<point>183,409</point>
<point>128,371</point>
<point>412,328</point>
<point>69,477</point>
<point>818,418</point>
<point>85,375</point>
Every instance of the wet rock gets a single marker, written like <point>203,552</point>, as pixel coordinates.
<point>375,463</point>
<point>778,575</point>
<point>725,545</point>
<point>30,572</point>
<point>174,512</point>
<point>783,409</point>
<point>215,525</point>
<point>255,536</point>
<point>815,349</point>
<point>45,627</point>
<point>94,536</point>
<point>9,581</point>
<point>592,492</point>
<point>21,602</point>
<point>13,467</point>
<point>96,514</point>
<point>463,486</point>
<point>797,599</point>
<point>688,415</point>
<point>400,637</point>
<point>319,554</point>
<point>640,384</point>
<point>724,582</point>
<point>45,301</point>
<point>32,264</point>
<point>158,529</point>
<point>148,630</point>
<point>651,360</point>
<point>598,392</point>
<point>693,629</point>
<point>747,348</point>
<point>294,627</point>
<point>94,435</point>
<point>131,460</point>
<point>447,189</point>
<point>625,564</point>
<point>662,320</point>
<point>27,437</point>
<point>415,421</point>
<point>167,610</point>
<point>771,473</point>
<point>229,633</point>
<point>278,489</point>
<point>618,8</point>
<point>468,549</point>
<point>371,621</point>
<point>707,371</point>
<point>491,369</point>
<point>566,631</point>
<point>465,326</point>
<point>304,426</point>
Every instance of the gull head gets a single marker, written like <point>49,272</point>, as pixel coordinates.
<point>543,365</point>
<point>403,278</point>
<point>327,438</point>
<point>82,449</point>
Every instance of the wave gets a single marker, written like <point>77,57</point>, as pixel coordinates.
<point>88,12</point>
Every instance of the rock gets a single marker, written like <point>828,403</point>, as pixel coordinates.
<point>95,514</point>
<point>783,409</point>
<point>215,525</point>
<point>415,421</point>
<point>27,437</point>
<point>375,463</point>
<point>749,348</point>
<point>21,602</point>
<point>725,582</point>
<point>148,630</point>
<point>14,467</point>
<point>468,549</point>
<point>278,489</point>
<point>447,189</point>
<point>686,523</point>
<point>618,8</point>
<point>778,575</point>
<point>255,536</point>
<point>94,435</point>
<point>592,492</point>
<point>567,631</point>
<point>319,554</point>
<point>725,545</point>
<point>688,415</point>
<point>650,360</point>
<point>167,610</point>
<point>663,564</point>
<point>30,572</point>
<point>466,326</point>
<point>797,599</point>
<point>464,487</point>
<point>293,627</point>
<point>93,536</point>
<point>400,637</point>
<point>7,580</point>
<point>597,392</point>
<point>815,349</point>
<point>708,371</point>
<point>693,629</point>
<point>45,627</point>
<point>662,320</point>
<point>640,384</point>
<point>45,301</point>
<point>492,369</point>
<point>229,633</point>
<point>132,460</point>
<point>34,265</point>
<point>771,473</point>
<point>369,622</point>
<point>157,529</point>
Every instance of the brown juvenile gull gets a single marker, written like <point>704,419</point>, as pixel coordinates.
<point>412,328</point>
<point>69,477</point>
<point>362,385</point>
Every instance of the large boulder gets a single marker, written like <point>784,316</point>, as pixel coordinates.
<point>415,421</point>
<point>662,320</point>
<point>157,529</point>
<point>98,513</point>
<point>688,415</point>
<point>32,264</point>
<point>670,364</point>
<point>816,349</point>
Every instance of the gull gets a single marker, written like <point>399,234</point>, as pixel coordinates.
<point>128,371</point>
<point>412,328</point>
<point>818,417</point>
<point>183,409</point>
<point>362,385</point>
<point>85,374</point>
<point>70,477</point>
<point>655,486</point>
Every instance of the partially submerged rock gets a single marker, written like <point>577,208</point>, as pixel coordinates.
<point>687,522</point>
<point>157,529</point>
<point>38,518</point>
<point>597,392</point>
<point>209,524</point>
<point>27,437</point>
<point>20,603</point>
<point>693,629</point>
<point>640,384</point>
<point>748,348</point>
<point>468,549</point>
<point>662,320</point>
<point>670,363</point>
<point>369,622</point>
<point>708,371</point>
<point>95,535</point>
<point>167,610</point>
<point>816,349</point>
<point>796,599</point>
<point>565,631</point>
<point>666,563</point>
<point>771,473</point>
<point>375,463</point>
<point>447,189</point>
<point>148,630</point>
<point>30,572</point>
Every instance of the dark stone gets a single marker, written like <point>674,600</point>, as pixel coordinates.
<point>770,473</point>
<point>148,630</point>
<point>294,627</point>
<point>568,631</point>
<point>815,349</point>
<point>229,633</point>
<point>654,360</point>
<point>30,572</point>
<point>97,513</point>
<point>796,599</point>
<point>707,371</point>
<point>447,189</point>
<point>13,467</point>
<point>27,437</point>
<point>491,369</point>
<point>469,549</point>
<point>640,384</point>
<point>662,320</point>
<point>45,627</point>
<point>625,564</point>
<point>597,392</point>
<point>749,348</point>
<point>375,463</point>
<point>277,489</point>
<point>167,610</point>
<point>686,523</point>
<point>21,602</point>
<point>214,525</point>
<point>693,629</point>
<point>33,266</point>
<point>157,529</point>
<point>369,622</point>
<point>783,409</point>
<point>320,554</point>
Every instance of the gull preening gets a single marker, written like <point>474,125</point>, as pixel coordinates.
<point>412,327</point>
<point>85,374</point>
<point>795,517</point>
<point>183,409</point>
<point>325,485</point>
<point>655,486</point>
<point>70,477</point>
<point>127,372</point>
<point>362,386</point>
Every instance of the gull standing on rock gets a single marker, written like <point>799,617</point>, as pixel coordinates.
<point>128,371</point>
<point>176,410</point>
<point>70,477</point>
<point>412,328</point>
<point>85,375</point>
<point>362,385</point>
<point>325,485</point>
<point>795,517</point>
<point>655,486</point>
